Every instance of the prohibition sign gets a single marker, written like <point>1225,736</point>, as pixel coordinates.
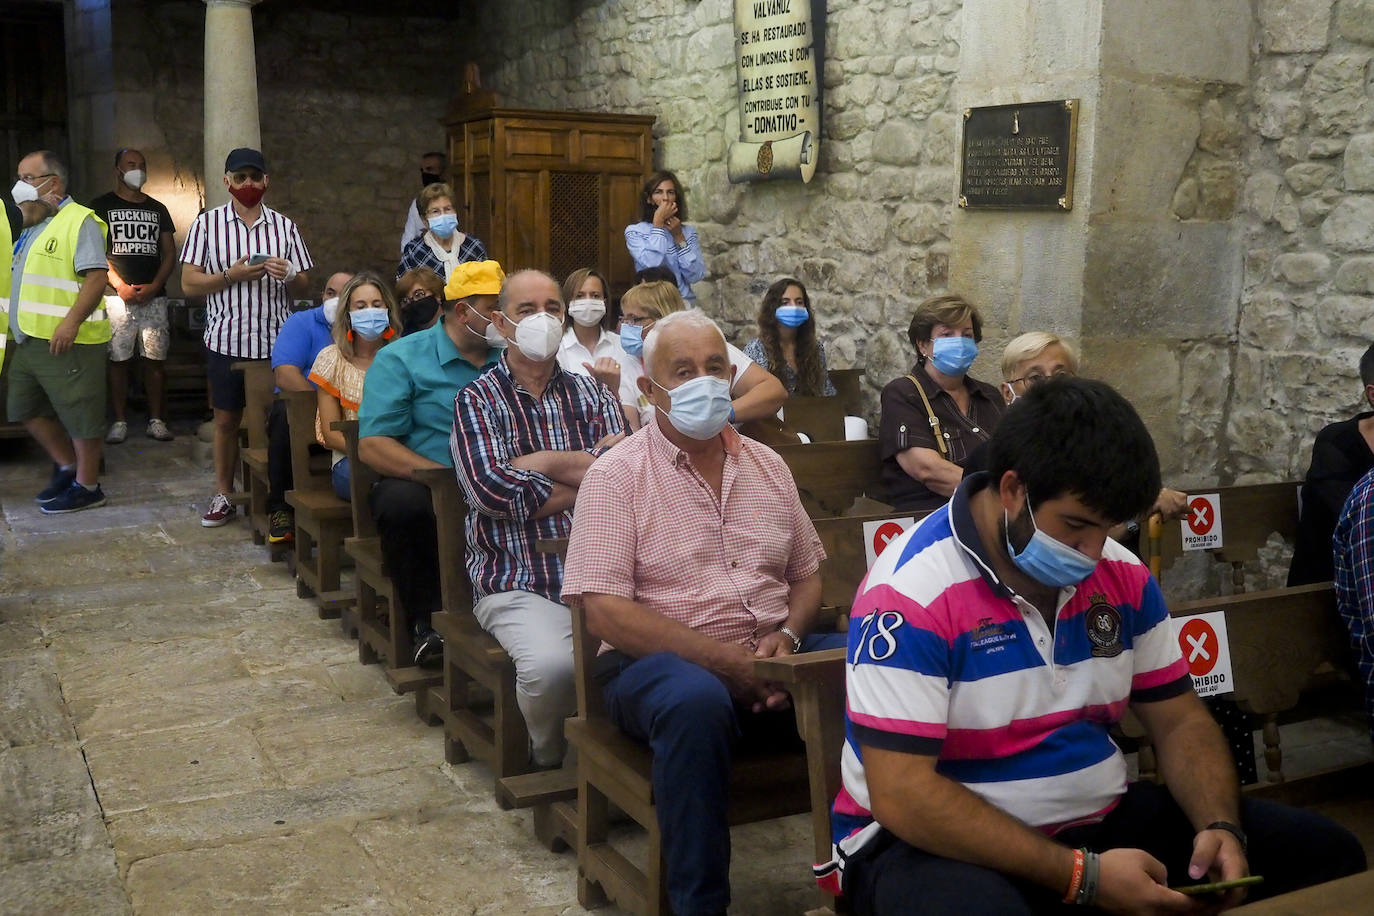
<point>1200,646</point>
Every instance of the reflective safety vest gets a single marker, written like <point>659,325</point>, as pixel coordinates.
<point>6,268</point>
<point>50,285</point>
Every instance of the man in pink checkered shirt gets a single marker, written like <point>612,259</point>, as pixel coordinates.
<point>692,556</point>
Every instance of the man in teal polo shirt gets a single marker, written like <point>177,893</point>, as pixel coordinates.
<point>404,423</point>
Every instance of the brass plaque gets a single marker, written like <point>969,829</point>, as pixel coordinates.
<point>1019,157</point>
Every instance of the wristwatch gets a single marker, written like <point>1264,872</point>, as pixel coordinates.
<point>790,634</point>
<point>1234,830</point>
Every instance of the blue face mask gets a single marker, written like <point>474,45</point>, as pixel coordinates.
<point>369,324</point>
<point>443,225</point>
<point>632,339</point>
<point>700,406</point>
<point>1048,561</point>
<point>793,316</point>
<point>953,355</point>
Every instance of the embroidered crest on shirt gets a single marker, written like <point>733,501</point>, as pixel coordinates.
<point>1104,627</point>
<point>989,636</point>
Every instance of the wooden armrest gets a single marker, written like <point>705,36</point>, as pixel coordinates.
<point>551,545</point>
<point>804,667</point>
<point>431,476</point>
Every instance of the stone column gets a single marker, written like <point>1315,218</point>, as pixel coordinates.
<point>1145,271</point>
<point>231,89</point>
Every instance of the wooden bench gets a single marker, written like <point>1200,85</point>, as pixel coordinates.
<point>1349,896</point>
<point>613,768</point>
<point>258,393</point>
<point>323,520</point>
<point>476,698</point>
<point>382,632</point>
<point>848,390</point>
<point>1250,515</point>
<point>831,475</point>
<point>822,418</point>
<point>1283,641</point>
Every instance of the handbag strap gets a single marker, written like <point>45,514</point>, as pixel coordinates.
<point>934,421</point>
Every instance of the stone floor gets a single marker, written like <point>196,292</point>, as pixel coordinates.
<point>181,734</point>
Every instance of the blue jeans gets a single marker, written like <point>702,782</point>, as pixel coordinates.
<point>691,723</point>
<point>339,476</point>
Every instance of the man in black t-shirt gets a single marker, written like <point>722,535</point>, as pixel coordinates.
<point>142,254</point>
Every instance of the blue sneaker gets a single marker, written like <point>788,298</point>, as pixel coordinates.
<point>74,499</point>
<point>57,484</point>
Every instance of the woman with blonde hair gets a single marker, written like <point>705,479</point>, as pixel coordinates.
<point>441,247</point>
<point>787,345</point>
<point>756,393</point>
<point>936,416</point>
<point>369,318</point>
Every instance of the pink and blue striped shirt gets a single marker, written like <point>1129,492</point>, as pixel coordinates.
<point>946,660</point>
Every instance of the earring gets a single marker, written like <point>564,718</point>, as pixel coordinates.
<point>350,336</point>
<point>387,334</point>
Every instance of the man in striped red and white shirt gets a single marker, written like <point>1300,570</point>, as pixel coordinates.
<point>991,649</point>
<point>249,262</point>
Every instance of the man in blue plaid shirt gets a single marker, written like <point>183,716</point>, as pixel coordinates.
<point>523,435</point>
<point>1353,555</point>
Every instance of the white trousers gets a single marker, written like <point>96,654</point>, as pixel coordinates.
<point>537,634</point>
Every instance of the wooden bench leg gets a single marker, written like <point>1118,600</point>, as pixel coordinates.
<point>1273,753</point>
<point>305,560</point>
<point>459,698</point>
<point>592,821</point>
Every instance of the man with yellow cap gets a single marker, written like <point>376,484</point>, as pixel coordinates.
<point>404,423</point>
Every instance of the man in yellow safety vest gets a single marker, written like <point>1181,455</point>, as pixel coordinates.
<point>56,320</point>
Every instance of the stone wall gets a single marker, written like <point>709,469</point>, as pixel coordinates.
<point>868,235</point>
<point>1307,308</point>
<point>347,104</point>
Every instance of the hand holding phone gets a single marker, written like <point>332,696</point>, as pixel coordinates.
<point>256,259</point>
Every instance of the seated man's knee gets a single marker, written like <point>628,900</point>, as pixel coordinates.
<point>547,671</point>
<point>227,421</point>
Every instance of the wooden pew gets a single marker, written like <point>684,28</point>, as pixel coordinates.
<point>1249,516</point>
<point>1344,897</point>
<point>1283,641</point>
<point>476,697</point>
<point>323,520</point>
<point>258,396</point>
<point>820,418</point>
<point>382,632</point>
<point>848,392</point>
<point>614,769</point>
<point>831,475</point>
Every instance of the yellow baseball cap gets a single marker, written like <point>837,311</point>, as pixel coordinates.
<point>474,278</point>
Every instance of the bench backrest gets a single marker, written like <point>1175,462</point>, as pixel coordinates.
<point>1279,638</point>
<point>847,389</point>
<point>361,477</point>
<point>820,418</point>
<point>1249,516</point>
<point>258,396</point>
<point>450,517</point>
<point>846,559</point>
<point>831,475</point>
<point>302,407</point>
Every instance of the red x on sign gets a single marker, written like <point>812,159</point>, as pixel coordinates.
<point>1201,518</point>
<point>1200,646</point>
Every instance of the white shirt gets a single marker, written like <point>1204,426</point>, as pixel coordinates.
<point>571,356</point>
<point>414,226</point>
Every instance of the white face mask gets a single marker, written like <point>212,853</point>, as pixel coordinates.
<point>24,193</point>
<point>331,308</point>
<point>489,333</point>
<point>135,178</point>
<point>587,312</point>
<point>538,336</point>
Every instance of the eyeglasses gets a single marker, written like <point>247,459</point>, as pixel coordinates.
<point>1035,378</point>
<point>637,320</point>
<point>32,178</point>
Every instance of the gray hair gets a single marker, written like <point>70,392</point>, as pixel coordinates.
<point>687,318</point>
<point>55,166</point>
<point>504,296</point>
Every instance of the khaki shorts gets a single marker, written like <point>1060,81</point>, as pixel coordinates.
<point>69,388</point>
<point>142,328</point>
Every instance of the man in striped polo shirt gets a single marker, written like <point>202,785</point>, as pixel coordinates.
<point>991,648</point>
<point>249,262</point>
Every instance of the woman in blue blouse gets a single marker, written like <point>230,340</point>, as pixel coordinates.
<point>787,345</point>
<point>662,236</point>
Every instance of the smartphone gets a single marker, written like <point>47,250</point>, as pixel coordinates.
<point>1217,887</point>
<point>255,259</point>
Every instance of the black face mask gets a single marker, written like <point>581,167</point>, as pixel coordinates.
<point>416,314</point>
<point>427,178</point>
